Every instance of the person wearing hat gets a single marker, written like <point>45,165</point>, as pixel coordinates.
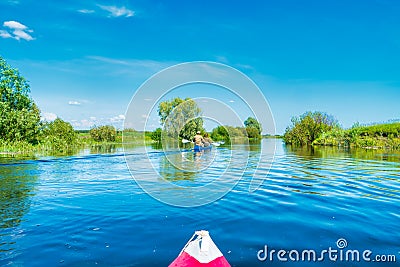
<point>198,141</point>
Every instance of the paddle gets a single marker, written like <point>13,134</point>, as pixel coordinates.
<point>185,141</point>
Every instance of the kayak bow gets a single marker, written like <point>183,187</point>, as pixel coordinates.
<point>200,252</point>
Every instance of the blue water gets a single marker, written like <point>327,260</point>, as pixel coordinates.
<point>86,210</point>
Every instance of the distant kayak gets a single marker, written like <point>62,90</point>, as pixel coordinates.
<point>201,148</point>
<point>200,251</point>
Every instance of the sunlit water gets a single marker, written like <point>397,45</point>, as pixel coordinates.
<point>86,210</point>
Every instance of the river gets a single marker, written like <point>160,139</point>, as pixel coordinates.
<point>87,210</point>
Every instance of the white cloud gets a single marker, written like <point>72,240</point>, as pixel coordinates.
<point>19,34</point>
<point>86,11</point>
<point>14,25</point>
<point>86,124</point>
<point>5,34</point>
<point>48,116</point>
<point>118,11</point>
<point>16,31</point>
<point>118,118</point>
<point>74,103</point>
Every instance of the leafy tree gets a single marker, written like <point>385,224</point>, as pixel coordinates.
<point>308,127</point>
<point>253,128</point>
<point>220,133</point>
<point>253,133</point>
<point>180,117</point>
<point>19,115</point>
<point>105,133</point>
<point>59,135</point>
<point>156,135</point>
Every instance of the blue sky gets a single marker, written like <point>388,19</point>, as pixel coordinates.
<point>85,59</point>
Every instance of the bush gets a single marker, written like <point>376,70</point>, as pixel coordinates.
<point>156,135</point>
<point>308,127</point>
<point>58,135</point>
<point>220,133</point>
<point>106,133</point>
<point>253,133</point>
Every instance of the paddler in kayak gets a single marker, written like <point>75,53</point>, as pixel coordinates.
<point>207,140</point>
<point>198,141</point>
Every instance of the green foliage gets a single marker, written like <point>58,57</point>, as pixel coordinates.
<point>228,133</point>
<point>253,128</point>
<point>306,128</point>
<point>58,135</point>
<point>156,135</point>
<point>105,133</point>
<point>19,116</point>
<point>220,133</point>
<point>191,127</point>
<point>374,136</point>
<point>180,117</point>
<point>253,133</point>
<point>380,130</point>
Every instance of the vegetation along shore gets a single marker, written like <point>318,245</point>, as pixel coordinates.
<point>318,128</point>
<point>23,132</point>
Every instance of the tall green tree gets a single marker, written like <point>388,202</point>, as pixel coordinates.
<point>253,128</point>
<point>180,117</point>
<point>308,127</point>
<point>19,115</point>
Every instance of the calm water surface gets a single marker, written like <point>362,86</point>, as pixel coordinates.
<point>86,210</point>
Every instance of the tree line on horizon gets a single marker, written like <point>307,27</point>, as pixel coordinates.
<point>22,129</point>
<point>181,118</point>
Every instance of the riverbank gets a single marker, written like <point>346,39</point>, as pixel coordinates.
<point>379,136</point>
<point>83,141</point>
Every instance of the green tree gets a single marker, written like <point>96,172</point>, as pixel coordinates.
<point>253,128</point>
<point>105,133</point>
<point>156,135</point>
<point>59,135</point>
<point>219,134</point>
<point>19,115</point>
<point>308,127</point>
<point>180,117</point>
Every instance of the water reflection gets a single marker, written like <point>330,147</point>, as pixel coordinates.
<point>17,184</point>
<point>334,152</point>
<point>171,173</point>
<point>105,148</point>
<point>332,171</point>
<point>17,181</point>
